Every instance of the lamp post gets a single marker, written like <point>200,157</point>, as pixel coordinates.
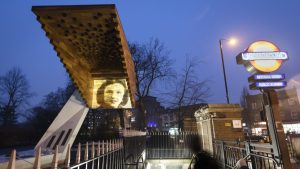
<point>232,42</point>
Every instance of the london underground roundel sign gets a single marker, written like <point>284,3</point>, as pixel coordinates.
<point>262,57</point>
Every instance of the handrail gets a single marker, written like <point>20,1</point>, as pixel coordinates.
<point>93,159</point>
<point>271,158</point>
<point>261,145</point>
<point>234,152</point>
<point>136,163</point>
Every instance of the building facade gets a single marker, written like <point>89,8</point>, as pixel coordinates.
<point>180,118</point>
<point>289,106</point>
<point>153,110</point>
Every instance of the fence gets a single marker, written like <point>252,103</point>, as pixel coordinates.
<point>101,155</point>
<point>110,155</point>
<point>163,145</point>
<point>258,156</point>
<point>134,148</point>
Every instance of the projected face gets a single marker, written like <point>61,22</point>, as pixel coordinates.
<point>113,95</point>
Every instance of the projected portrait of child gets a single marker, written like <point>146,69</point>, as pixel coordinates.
<point>112,94</point>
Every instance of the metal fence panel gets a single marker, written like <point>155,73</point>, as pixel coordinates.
<point>163,145</point>
<point>258,156</point>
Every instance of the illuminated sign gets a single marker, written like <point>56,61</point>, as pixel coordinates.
<point>265,56</point>
<point>112,94</point>
<point>269,77</point>
<point>257,85</point>
<point>262,56</point>
<point>236,123</point>
<point>265,77</point>
<point>227,124</point>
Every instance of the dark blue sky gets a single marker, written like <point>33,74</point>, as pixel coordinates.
<point>186,27</point>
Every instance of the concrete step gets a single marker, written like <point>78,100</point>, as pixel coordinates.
<point>168,164</point>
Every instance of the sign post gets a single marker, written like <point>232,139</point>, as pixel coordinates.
<point>262,58</point>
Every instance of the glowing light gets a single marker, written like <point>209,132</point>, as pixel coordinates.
<point>265,49</point>
<point>270,84</point>
<point>232,41</point>
<point>263,46</point>
<point>269,76</point>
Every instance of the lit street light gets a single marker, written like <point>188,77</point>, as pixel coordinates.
<point>231,42</point>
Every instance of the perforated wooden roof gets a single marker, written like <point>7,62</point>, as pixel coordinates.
<point>90,42</point>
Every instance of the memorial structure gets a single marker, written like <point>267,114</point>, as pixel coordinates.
<point>91,44</point>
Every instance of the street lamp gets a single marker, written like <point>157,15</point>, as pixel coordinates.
<point>231,42</point>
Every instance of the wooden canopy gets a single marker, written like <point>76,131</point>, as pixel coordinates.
<point>91,44</point>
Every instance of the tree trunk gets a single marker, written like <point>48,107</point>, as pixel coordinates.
<point>141,117</point>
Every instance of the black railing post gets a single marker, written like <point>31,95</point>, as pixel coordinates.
<point>251,163</point>
<point>223,156</point>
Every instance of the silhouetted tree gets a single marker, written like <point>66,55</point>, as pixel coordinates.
<point>245,112</point>
<point>189,89</point>
<point>41,116</point>
<point>14,93</point>
<point>152,64</point>
<point>244,94</point>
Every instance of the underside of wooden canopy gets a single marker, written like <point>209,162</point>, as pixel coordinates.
<point>91,44</point>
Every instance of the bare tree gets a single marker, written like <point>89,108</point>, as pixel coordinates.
<point>245,112</point>
<point>152,64</point>
<point>244,94</point>
<point>14,93</point>
<point>42,115</point>
<point>189,89</point>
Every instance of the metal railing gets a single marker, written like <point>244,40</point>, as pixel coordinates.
<point>100,155</point>
<point>258,156</point>
<point>110,155</point>
<point>163,145</point>
<point>121,154</point>
<point>134,148</point>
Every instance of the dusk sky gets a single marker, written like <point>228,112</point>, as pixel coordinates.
<point>190,27</point>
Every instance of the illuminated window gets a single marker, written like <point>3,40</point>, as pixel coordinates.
<point>165,118</point>
<point>279,103</point>
<point>294,115</point>
<point>253,105</point>
<point>291,101</point>
<point>257,117</point>
<point>171,117</point>
<point>283,116</point>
